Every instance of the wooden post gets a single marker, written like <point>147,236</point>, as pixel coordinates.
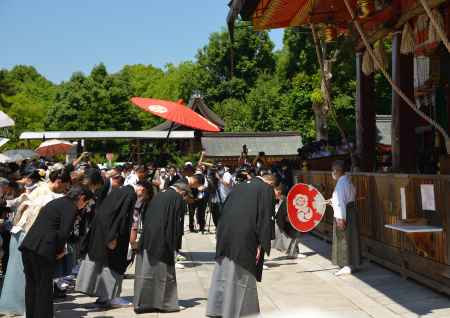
<point>366,131</point>
<point>138,149</point>
<point>404,120</point>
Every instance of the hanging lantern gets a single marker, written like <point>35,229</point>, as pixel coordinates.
<point>330,33</point>
<point>365,8</point>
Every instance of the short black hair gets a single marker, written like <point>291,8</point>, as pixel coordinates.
<point>119,178</point>
<point>34,176</point>
<point>61,174</point>
<point>94,177</point>
<point>145,184</point>
<point>77,191</point>
<point>199,178</point>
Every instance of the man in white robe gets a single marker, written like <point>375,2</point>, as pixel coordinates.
<point>345,248</point>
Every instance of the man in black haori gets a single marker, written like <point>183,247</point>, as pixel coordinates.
<point>244,235</point>
<point>287,237</point>
<point>102,270</point>
<point>155,285</point>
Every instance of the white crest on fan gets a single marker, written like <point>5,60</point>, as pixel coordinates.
<point>304,213</point>
<point>158,109</point>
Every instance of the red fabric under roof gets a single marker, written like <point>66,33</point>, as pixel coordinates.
<point>285,13</point>
<point>276,13</point>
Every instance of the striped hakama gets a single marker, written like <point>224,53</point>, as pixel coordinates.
<point>346,247</point>
<point>155,286</point>
<point>95,279</point>
<point>233,291</point>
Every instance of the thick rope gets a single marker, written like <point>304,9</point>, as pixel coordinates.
<point>327,87</point>
<point>436,25</point>
<point>407,100</point>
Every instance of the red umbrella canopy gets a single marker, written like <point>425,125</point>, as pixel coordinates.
<point>176,112</point>
<point>53,147</point>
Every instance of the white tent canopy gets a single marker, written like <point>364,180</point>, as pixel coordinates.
<point>3,141</point>
<point>5,159</point>
<point>5,120</point>
<point>20,154</point>
<point>72,135</point>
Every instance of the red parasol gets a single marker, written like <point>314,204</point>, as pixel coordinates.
<point>175,112</point>
<point>53,147</point>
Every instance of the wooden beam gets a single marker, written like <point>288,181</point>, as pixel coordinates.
<point>404,120</point>
<point>365,118</point>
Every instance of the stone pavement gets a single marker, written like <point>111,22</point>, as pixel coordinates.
<point>296,288</point>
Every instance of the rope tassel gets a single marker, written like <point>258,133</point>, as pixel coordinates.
<point>436,25</point>
<point>397,89</point>
<point>381,55</point>
<point>408,43</point>
<point>433,35</point>
<point>367,64</point>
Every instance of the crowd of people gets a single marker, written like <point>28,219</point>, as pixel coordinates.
<point>78,227</point>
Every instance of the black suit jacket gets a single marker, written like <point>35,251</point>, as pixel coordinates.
<point>52,228</point>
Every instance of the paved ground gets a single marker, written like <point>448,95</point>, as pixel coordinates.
<point>290,287</point>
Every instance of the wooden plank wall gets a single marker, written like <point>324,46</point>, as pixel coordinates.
<point>378,202</point>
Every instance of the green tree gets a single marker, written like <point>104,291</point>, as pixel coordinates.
<point>299,113</point>
<point>253,55</point>
<point>6,89</point>
<point>29,97</point>
<point>96,102</point>
<point>178,82</point>
<point>267,105</point>
<point>297,55</point>
<point>141,78</point>
<point>236,115</point>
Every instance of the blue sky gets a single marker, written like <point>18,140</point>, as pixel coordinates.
<point>61,37</point>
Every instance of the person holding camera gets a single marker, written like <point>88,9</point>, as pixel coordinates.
<point>243,159</point>
<point>222,183</point>
<point>201,199</point>
<point>260,162</point>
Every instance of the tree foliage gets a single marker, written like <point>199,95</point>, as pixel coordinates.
<point>96,102</point>
<point>25,96</point>
<point>267,90</point>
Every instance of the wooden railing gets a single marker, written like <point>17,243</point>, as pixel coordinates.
<point>425,256</point>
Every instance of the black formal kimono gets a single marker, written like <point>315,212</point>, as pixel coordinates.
<point>247,221</point>
<point>155,285</point>
<point>44,241</point>
<point>102,270</point>
<point>286,237</point>
<point>87,218</point>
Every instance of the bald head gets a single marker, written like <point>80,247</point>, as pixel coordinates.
<point>339,165</point>
<point>338,169</point>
